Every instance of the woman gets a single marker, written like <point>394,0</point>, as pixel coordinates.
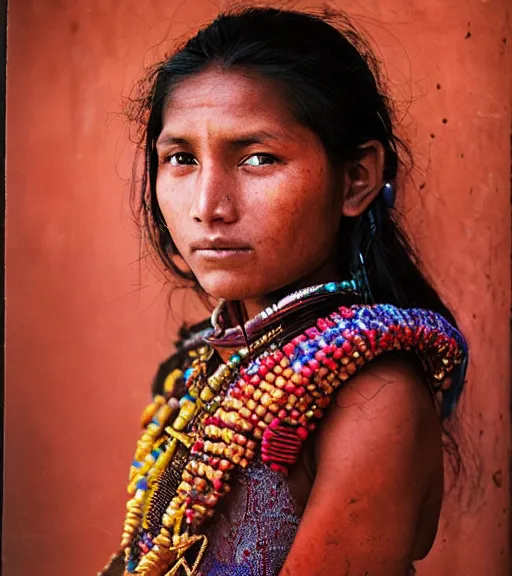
<point>317,396</point>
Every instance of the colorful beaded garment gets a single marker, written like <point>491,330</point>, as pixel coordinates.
<point>264,401</point>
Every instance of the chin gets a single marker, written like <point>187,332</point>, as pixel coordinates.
<point>231,286</point>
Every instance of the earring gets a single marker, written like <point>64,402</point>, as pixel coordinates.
<point>388,194</point>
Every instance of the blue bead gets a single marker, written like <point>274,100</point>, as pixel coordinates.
<point>137,464</point>
<point>142,484</point>
<point>331,287</point>
<point>188,373</point>
<point>236,359</point>
<point>185,398</point>
<point>297,366</point>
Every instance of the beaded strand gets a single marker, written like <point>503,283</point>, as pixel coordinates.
<point>266,400</point>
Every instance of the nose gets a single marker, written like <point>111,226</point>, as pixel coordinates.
<point>213,196</point>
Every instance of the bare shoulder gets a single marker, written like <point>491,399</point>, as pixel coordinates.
<point>385,415</point>
<point>379,460</point>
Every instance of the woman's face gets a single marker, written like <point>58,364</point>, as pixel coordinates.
<point>247,193</point>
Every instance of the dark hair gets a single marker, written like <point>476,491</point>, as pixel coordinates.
<point>330,76</point>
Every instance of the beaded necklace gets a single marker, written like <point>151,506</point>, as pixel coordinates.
<point>266,400</point>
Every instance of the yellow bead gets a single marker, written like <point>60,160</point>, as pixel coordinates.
<point>260,411</point>
<point>171,381</point>
<point>245,425</point>
<point>266,400</point>
<point>280,382</point>
<point>207,395</point>
<point>251,404</point>
<point>180,423</point>
<point>199,508</point>
<point>148,413</point>
<point>235,403</point>
<point>245,413</point>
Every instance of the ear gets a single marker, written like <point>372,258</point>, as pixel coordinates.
<point>363,179</point>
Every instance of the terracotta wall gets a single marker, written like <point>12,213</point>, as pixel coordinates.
<point>84,337</point>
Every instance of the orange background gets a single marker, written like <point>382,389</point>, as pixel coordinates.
<point>84,336</point>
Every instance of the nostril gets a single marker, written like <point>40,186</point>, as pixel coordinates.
<point>197,219</point>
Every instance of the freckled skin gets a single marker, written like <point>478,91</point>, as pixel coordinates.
<point>287,211</point>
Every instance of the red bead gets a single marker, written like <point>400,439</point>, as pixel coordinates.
<point>217,484</point>
<point>289,349</point>
<point>280,469</point>
<point>306,372</point>
<point>198,446</point>
<point>278,355</point>
<point>302,433</point>
<point>289,387</point>
<point>255,380</point>
<point>314,365</point>
<point>262,370</point>
<point>320,356</point>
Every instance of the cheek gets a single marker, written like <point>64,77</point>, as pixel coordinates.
<point>301,216</point>
<point>173,207</point>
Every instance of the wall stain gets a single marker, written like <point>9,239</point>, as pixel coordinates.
<point>497,478</point>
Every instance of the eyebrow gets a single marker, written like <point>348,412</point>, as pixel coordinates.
<point>241,141</point>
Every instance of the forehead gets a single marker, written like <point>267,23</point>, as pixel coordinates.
<point>227,97</point>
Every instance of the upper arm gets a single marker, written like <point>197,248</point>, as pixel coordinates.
<point>376,454</point>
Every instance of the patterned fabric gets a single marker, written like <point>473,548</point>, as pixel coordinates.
<point>253,535</point>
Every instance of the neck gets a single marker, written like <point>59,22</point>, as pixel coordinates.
<point>326,272</point>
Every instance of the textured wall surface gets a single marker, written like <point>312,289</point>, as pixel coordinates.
<point>84,338</point>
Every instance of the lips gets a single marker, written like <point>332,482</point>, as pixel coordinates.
<point>220,244</point>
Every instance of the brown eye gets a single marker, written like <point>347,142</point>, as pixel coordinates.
<point>181,159</point>
<point>260,160</point>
